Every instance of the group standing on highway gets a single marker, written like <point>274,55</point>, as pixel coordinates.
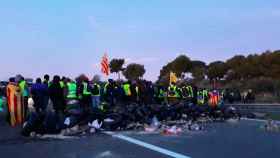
<point>81,96</point>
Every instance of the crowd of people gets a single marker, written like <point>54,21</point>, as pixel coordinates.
<point>70,102</point>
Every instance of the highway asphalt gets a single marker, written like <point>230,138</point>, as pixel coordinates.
<point>235,139</point>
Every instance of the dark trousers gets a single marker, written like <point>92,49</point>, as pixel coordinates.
<point>86,103</point>
<point>46,102</point>
<point>111,100</point>
<point>39,105</point>
<point>25,107</point>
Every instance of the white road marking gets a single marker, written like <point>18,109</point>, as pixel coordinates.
<point>62,137</point>
<point>148,146</point>
<point>258,120</point>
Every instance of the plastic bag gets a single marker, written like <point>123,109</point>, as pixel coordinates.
<point>155,122</point>
<point>67,121</point>
<point>195,127</point>
<point>109,120</point>
<point>95,124</point>
<point>174,130</point>
<point>31,104</point>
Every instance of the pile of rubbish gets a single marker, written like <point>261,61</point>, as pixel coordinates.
<point>49,129</point>
<point>150,119</point>
<point>172,128</point>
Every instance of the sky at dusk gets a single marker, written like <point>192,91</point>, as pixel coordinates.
<point>69,37</point>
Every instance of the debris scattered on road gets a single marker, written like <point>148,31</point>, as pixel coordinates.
<point>174,130</point>
<point>59,136</point>
<point>105,154</point>
<point>232,120</point>
<point>272,126</point>
<point>195,127</point>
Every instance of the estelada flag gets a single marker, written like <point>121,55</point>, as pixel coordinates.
<point>15,108</point>
<point>105,68</point>
<point>172,77</point>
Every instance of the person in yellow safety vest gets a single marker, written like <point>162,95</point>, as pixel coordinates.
<point>71,96</point>
<point>109,92</point>
<point>205,95</point>
<point>126,88</point>
<point>161,95</point>
<point>62,82</point>
<point>200,98</point>
<point>24,94</point>
<point>173,93</point>
<point>71,90</point>
<point>96,93</point>
<point>86,101</point>
<point>105,88</point>
<point>127,92</point>
<point>184,92</point>
<point>137,93</point>
<point>109,87</point>
<point>1,104</point>
<point>190,91</point>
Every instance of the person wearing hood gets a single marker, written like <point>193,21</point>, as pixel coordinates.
<point>127,92</point>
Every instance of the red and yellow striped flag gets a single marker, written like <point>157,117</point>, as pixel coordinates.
<point>105,65</point>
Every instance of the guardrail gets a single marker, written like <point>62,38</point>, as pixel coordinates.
<point>262,108</point>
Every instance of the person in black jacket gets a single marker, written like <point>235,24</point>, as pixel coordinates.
<point>56,95</point>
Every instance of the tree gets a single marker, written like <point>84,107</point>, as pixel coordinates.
<point>270,65</point>
<point>116,66</point>
<point>253,67</point>
<point>198,70</point>
<point>165,70</point>
<point>164,80</point>
<point>236,66</point>
<point>181,64</point>
<point>134,71</point>
<point>198,73</point>
<point>198,63</point>
<point>216,70</point>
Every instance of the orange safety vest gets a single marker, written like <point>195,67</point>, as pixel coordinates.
<point>214,100</point>
<point>15,107</point>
